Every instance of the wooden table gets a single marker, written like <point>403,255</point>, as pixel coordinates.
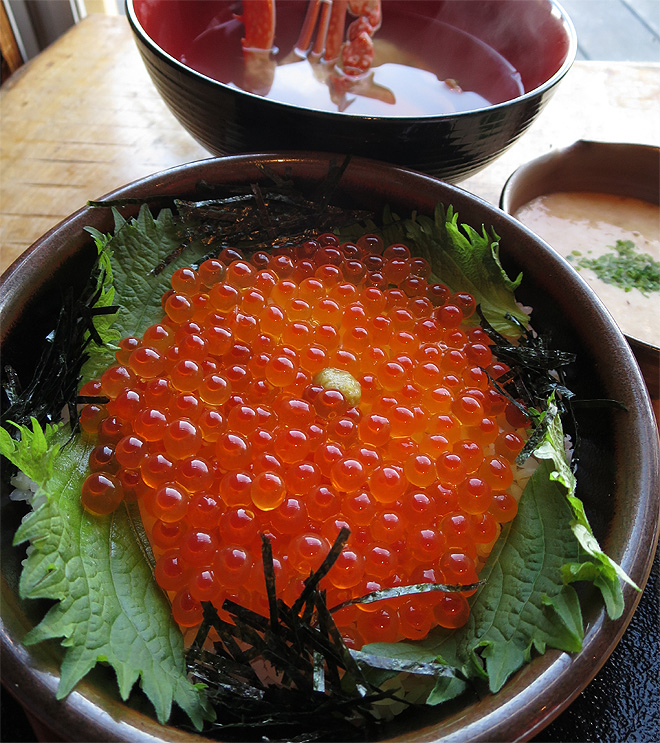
<point>83,118</point>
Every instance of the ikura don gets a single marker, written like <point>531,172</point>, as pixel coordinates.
<point>296,392</point>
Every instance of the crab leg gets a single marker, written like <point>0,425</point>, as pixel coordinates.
<point>322,33</point>
<point>335,35</point>
<point>258,19</point>
<point>354,56</point>
<point>357,54</point>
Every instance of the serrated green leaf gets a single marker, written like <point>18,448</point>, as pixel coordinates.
<point>136,249</point>
<point>105,288</point>
<point>523,605</point>
<point>35,452</point>
<point>468,261</point>
<point>460,257</point>
<point>601,570</point>
<point>526,603</point>
<point>109,608</point>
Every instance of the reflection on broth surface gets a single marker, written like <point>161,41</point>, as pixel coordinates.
<point>587,227</point>
<point>421,67</point>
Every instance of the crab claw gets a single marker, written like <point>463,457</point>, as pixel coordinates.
<point>357,54</point>
<point>259,71</point>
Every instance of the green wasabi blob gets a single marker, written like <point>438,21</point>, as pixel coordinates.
<point>338,379</point>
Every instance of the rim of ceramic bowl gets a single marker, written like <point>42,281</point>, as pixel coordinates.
<point>571,54</point>
<point>541,689</point>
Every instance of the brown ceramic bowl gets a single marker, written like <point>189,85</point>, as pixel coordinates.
<point>619,455</point>
<point>601,167</point>
<point>181,42</point>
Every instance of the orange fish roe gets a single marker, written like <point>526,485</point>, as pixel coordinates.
<point>296,393</point>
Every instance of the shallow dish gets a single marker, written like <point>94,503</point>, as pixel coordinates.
<point>620,455</point>
<point>620,169</point>
<point>535,37</point>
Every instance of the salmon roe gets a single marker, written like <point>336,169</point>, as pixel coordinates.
<point>293,394</point>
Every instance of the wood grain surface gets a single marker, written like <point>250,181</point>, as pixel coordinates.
<point>83,118</point>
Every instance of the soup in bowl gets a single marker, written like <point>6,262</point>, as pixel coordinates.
<point>449,87</point>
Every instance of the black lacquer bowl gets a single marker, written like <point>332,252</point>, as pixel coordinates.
<point>179,41</point>
<point>618,473</point>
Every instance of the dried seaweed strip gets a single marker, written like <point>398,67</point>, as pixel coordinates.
<point>228,634</point>
<point>327,188</point>
<point>284,185</point>
<point>169,259</point>
<point>55,378</point>
<point>312,582</point>
<point>305,648</point>
<point>319,673</point>
<point>202,633</point>
<point>410,590</point>
<point>400,665</point>
<point>535,371</point>
<point>348,663</point>
<point>157,201</point>
<point>269,577</point>
<point>262,211</point>
<point>263,216</point>
<point>536,436</point>
<point>12,385</point>
<point>247,616</point>
<point>332,658</point>
<point>290,624</point>
<point>229,673</point>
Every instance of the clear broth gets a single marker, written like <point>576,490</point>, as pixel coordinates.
<point>414,56</point>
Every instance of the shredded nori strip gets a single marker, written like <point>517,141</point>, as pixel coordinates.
<point>320,690</point>
<point>56,377</point>
<point>536,373</point>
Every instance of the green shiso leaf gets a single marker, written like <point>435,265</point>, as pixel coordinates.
<point>99,569</point>
<point>598,567</point>
<point>465,260</point>
<point>35,453</point>
<point>525,602</point>
<point>138,246</point>
<point>108,607</point>
<point>104,324</point>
